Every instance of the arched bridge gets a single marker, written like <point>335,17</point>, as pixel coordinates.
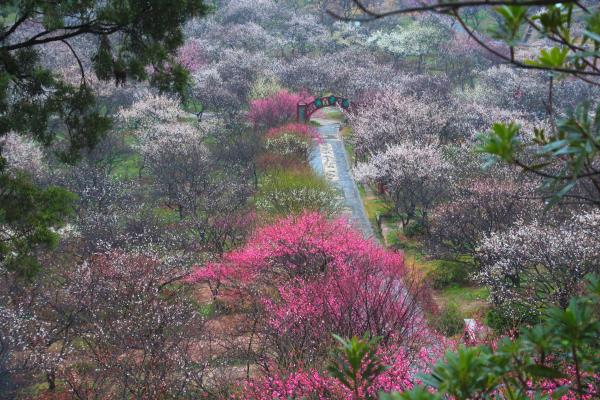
<point>305,110</point>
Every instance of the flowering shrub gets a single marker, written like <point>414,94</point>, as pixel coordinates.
<point>327,278</point>
<point>288,144</point>
<point>291,140</point>
<point>285,192</point>
<point>275,110</point>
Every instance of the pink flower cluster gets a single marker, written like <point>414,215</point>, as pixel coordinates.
<point>191,56</point>
<point>275,110</point>
<point>302,246</point>
<point>316,385</point>
<point>302,130</point>
<point>327,279</point>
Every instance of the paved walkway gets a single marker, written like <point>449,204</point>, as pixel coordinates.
<point>329,158</point>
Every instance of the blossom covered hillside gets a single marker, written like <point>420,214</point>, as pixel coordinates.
<point>173,226</point>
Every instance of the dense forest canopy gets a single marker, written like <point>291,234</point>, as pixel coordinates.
<point>171,227</point>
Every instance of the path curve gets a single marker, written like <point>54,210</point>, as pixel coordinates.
<point>330,160</point>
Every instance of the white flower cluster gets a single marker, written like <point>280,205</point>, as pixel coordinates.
<point>541,263</point>
<point>22,154</point>
<point>288,144</point>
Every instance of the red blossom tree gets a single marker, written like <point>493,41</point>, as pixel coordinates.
<point>315,276</point>
<point>277,109</point>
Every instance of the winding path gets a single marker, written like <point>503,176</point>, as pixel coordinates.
<point>329,159</point>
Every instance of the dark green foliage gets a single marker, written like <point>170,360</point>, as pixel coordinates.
<point>565,346</point>
<point>33,215</point>
<point>355,363</point>
<point>504,319</point>
<point>414,229</point>
<point>148,35</point>
<point>448,273</point>
<point>103,60</point>
<point>449,321</point>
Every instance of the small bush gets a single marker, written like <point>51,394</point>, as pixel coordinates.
<point>291,140</point>
<point>448,274</point>
<point>288,145</point>
<point>285,192</point>
<point>505,318</point>
<point>414,229</point>
<point>449,321</point>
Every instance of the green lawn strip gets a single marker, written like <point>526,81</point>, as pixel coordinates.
<point>471,300</point>
<point>333,114</point>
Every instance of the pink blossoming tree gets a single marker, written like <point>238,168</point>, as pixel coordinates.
<point>275,110</point>
<point>311,276</point>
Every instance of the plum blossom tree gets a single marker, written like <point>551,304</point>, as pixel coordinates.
<point>239,68</point>
<point>150,109</point>
<point>180,163</point>
<point>122,314</point>
<point>275,110</point>
<point>324,273</point>
<point>507,88</point>
<point>138,330</point>
<point>476,209</point>
<point>534,265</point>
<point>308,383</point>
<point>392,116</point>
<point>214,93</point>
<point>415,176</point>
<point>191,56</point>
<point>421,40</point>
<point>248,36</point>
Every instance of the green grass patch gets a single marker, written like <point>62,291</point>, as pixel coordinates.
<point>127,166</point>
<point>373,205</point>
<point>333,113</point>
<point>207,310</point>
<point>471,301</point>
<point>166,215</point>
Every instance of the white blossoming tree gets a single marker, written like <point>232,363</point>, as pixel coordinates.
<point>415,177</point>
<point>534,265</point>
